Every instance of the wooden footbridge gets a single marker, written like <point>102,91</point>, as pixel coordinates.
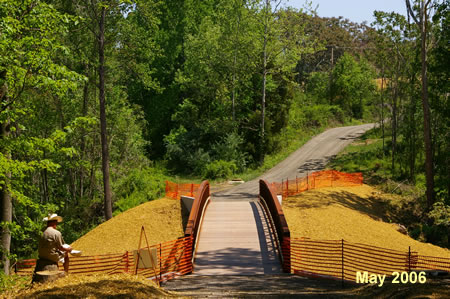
<point>238,234</point>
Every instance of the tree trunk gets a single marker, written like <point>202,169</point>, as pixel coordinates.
<point>412,161</point>
<point>394,124</point>
<point>382,108</point>
<point>103,132</point>
<point>6,205</point>
<point>83,138</point>
<point>263,102</point>
<point>429,173</point>
<point>236,43</point>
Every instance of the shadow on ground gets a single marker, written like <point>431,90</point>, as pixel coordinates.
<point>370,206</point>
<point>282,285</point>
<point>312,165</point>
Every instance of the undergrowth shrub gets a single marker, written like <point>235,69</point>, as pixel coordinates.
<point>219,169</point>
<point>141,185</point>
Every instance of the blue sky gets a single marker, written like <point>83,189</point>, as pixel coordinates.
<point>354,10</point>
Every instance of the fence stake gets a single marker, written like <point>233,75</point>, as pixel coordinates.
<point>409,258</point>
<point>287,187</point>
<point>296,183</point>
<point>126,262</point>
<point>307,180</point>
<point>332,178</point>
<point>192,190</point>
<point>176,190</point>
<point>342,257</point>
<point>160,264</point>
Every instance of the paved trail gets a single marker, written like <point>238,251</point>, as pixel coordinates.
<point>235,238</point>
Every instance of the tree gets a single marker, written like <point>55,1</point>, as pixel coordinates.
<point>422,21</point>
<point>352,85</point>
<point>96,13</point>
<point>394,57</point>
<point>30,32</point>
<point>282,42</point>
<point>439,72</point>
<point>102,100</point>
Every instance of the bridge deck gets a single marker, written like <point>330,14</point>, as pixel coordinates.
<point>235,239</point>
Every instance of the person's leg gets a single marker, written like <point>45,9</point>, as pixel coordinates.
<point>66,262</point>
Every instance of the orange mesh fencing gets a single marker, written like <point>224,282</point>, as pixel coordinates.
<point>175,191</point>
<point>316,180</point>
<point>339,259</point>
<point>174,258</point>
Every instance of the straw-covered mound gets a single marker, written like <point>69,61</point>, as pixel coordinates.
<point>93,286</point>
<point>354,214</point>
<point>162,220</point>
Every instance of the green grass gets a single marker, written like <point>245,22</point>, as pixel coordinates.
<point>291,140</point>
<point>290,145</point>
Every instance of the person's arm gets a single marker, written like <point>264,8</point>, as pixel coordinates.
<point>61,246</point>
<point>65,248</point>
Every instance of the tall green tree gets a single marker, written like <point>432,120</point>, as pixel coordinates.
<point>422,19</point>
<point>282,41</point>
<point>395,53</point>
<point>353,85</point>
<point>29,44</point>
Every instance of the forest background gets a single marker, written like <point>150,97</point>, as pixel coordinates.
<point>103,100</point>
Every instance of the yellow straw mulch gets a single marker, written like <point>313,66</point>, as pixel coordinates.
<point>162,219</point>
<point>92,286</point>
<point>354,214</point>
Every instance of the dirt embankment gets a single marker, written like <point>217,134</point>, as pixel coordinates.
<point>93,286</point>
<point>164,220</point>
<point>355,214</point>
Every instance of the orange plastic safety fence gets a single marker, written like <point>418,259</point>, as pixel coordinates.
<point>174,258</point>
<point>315,180</point>
<point>175,191</point>
<point>339,259</point>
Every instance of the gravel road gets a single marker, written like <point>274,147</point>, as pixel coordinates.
<point>312,156</point>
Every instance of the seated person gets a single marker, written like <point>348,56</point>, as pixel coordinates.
<point>51,246</point>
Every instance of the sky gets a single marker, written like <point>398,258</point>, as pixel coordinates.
<point>354,10</point>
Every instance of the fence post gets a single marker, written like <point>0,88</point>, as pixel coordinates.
<point>282,186</point>
<point>332,178</point>
<point>160,262</point>
<point>287,187</point>
<point>296,183</point>
<point>126,262</point>
<point>342,259</point>
<point>409,258</point>
<point>176,190</point>
<point>192,190</point>
<point>307,180</point>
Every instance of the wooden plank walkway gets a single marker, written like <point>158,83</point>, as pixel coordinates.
<point>235,239</point>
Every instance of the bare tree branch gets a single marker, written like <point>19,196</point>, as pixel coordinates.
<point>411,12</point>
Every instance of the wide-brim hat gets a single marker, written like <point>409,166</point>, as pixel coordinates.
<point>53,217</point>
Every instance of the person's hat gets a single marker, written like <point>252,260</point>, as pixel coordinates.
<point>52,217</point>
